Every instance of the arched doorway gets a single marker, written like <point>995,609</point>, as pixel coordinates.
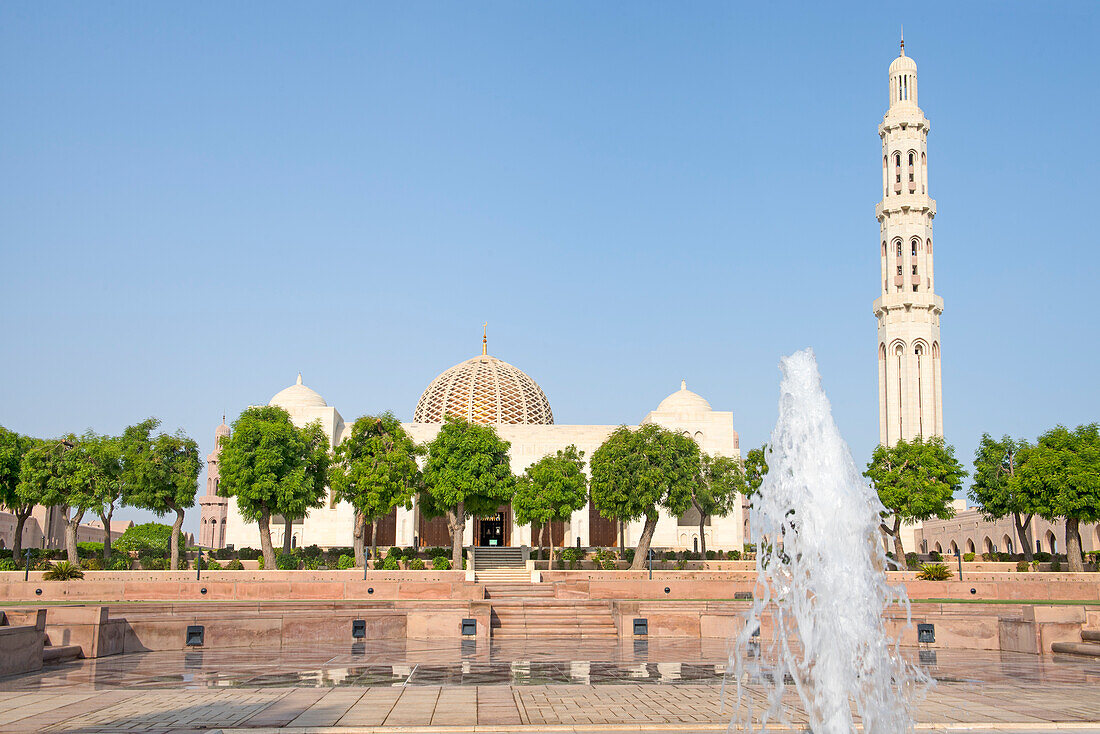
<point>954,548</point>
<point>1006,541</point>
<point>970,546</point>
<point>988,545</point>
<point>494,530</point>
<point>1052,542</point>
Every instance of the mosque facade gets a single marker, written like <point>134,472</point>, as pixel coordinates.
<point>488,391</point>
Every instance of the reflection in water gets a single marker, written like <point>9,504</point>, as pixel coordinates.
<point>520,663</point>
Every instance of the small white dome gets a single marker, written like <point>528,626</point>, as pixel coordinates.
<point>903,63</point>
<point>297,396</point>
<point>684,400</point>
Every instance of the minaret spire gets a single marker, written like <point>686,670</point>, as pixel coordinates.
<point>485,339</point>
<point>902,41</point>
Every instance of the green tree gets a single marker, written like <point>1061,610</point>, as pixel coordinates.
<point>756,468</point>
<point>159,473</point>
<point>20,503</point>
<point>270,467</point>
<point>311,492</point>
<point>467,474</point>
<point>634,473</point>
<point>1063,472</point>
<point>374,469</point>
<point>997,490</point>
<point>915,480</point>
<point>717,490</point>
<point>75,473</point>
<point>551,489</point>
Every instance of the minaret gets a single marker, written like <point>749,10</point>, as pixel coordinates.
<point>213,507</point>
<point>907,309</point>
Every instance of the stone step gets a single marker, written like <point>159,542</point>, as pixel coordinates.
<point>1090,635</point>
<point>1076,648</point>
<point>61,653</point>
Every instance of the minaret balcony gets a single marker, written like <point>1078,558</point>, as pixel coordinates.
<point>905,202</point>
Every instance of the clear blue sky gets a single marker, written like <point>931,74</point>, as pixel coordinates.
<point>199,200</point>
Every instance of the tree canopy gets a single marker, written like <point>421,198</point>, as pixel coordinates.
<point>997,490</point>
<point>551,489</point>
<point>756,468</point>
<point>717,490</point>
<point>636,472</point>
<point>20,503</point>
<point>271,467</point>
<point>160,473</point>
<point>467,474</point>
<point>915,480</point>
<point>1062,472</point>
<point>374,469</point>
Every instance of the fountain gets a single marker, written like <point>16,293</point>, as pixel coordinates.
<point>816,629</point>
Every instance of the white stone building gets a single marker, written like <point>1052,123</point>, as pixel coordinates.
<point>487,390</point>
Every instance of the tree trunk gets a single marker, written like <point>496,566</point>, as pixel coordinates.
<point>899,551</point>
<point>105,518</point>
<point>550,563</point>
<point>456,521</point>
<point>17,541</point>
<point>642,550</point>
<point>702,532</point>
<point>265,540</point>
<point>622,538</point>
<point>288,533</point>
<point>542,539</point>
<point>374,539</point>
<point>359,540</point>
<point>1025,537</point>
<point>71,524</point>
<point>1073,545</point>
<point>176,527</point>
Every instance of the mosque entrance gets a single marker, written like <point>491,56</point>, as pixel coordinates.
<point>494,530</point>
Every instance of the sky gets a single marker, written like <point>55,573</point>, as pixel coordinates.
<point>200,200</point>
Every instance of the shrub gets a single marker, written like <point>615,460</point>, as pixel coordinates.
<point>935,556</point>
<point>310,551</point>
<point>668,556</point>
<point>912,561</point>
<point>437,552</point>
<point>152,563</point>
<point>314,563</point>
<point>711,555</point>
<point>287,561</point>
<point>395,552</point>
<point>211,564</point>
<point>1022,566</point>
<point>390,563</point>
<point>1056,565</point>
<point>223,554</point>
<point>89,550</point>
<point>934,572</point>
<point>416,564</point>
<point>63,571</point>
<point>7,564</point>
<point>734,555</point>
<point>260,562</point>
<point>572,556</point>
<point>234,565</point>
<point>968,557</point>
<point>148,539</point>
<point>749,548</point>
<point>681,564</point>
<point>344,562</point>
<point>91,564</point>
<point>441,563</point>
<point>249,554</point>
<point>1042,556</point>
<point>628,555</point>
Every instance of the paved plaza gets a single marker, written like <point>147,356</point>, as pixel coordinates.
<point>564,685</point>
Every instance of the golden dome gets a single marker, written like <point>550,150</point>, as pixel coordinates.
<point>484,390</point>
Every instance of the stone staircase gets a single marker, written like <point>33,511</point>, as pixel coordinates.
<point>525,618</point>
<point>506,589</point>
<point>500,565</point>
<point>1089,646</point>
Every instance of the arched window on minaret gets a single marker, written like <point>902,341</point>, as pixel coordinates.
<point>897,173</point>
<point>918,352</point>
<point>885,177</point>
<point>912,172</point>
<point>923,173</point>
<point>899,354</point>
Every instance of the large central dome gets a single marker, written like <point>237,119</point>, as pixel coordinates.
<point>484,390</point>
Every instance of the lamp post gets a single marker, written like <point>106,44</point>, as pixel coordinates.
<point>27,566</point>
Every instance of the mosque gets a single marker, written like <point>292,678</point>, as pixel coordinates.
<point>488,391</point>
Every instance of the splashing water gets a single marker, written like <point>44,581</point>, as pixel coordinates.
<point>816,625</point>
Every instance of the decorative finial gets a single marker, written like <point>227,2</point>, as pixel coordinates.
<point>903,40</point>
<point>683,384</point>
<point>485,338</point>
<point>299,378</point>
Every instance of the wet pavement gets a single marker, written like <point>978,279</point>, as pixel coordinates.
<point>516,685</point>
